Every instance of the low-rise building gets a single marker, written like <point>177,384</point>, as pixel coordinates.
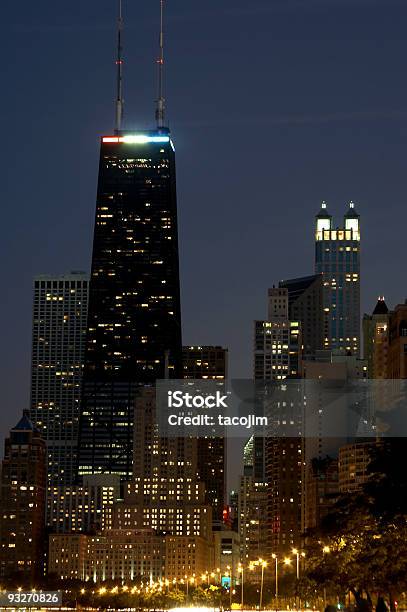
<point>125,555</point>
<point>226,552</point>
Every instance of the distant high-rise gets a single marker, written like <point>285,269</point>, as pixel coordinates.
<point>321,490</point>
<point>306,305</point>
<point>277,357</point>
<point>397,362</point>
<point>277,341</point>
<point>353,465</point>
<point>385,341</point>
<point>209,363</point>
<point>376,340</point>
<point>337,258</point>
<point>206,362</point>
<point>253,503</point>
<point>58,347</point>
<point>22,502</point>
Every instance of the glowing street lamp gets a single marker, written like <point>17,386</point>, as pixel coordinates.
<point>297,553</point>
<point>326,550</point>
<point>276,575</point>
<point>263,565</point>
<point>240,569</point>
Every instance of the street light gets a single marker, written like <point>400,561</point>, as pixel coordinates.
<point>326,550</point>
<point>263,565</point>
<point>297,553</point>
<point>240,569</point>
<point>276,573</point>
<point>229,575</point>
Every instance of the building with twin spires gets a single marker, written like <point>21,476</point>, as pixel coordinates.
<point>337,258</point>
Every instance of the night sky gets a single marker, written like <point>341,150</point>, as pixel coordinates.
<point>274,105</point>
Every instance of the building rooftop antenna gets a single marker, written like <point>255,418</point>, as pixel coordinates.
<point>160,109</point>
<point>119,64</point>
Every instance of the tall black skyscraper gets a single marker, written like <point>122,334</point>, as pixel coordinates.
<point>134,320</point>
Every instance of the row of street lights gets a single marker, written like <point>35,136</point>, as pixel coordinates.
<point>160,585</point>
<point>263,564</point>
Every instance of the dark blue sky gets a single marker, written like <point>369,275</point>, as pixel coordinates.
<point>274,106</point>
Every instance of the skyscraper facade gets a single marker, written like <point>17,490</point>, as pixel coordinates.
<point>337,258</point>
<point>376,340</point>
<point>353,465</point>
<point>134,320</point>
<point>22,502</point>
<point>165,493</point>
<point>252,510</point>
<point>321,490</point>
<point>209,363</point>
<point>277,357</point>
<point>277,341</point>
<point>306,305</point>
<point>397,362</point>
<point>58,346</point>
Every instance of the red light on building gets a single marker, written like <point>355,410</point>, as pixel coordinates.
<point>226,516</point>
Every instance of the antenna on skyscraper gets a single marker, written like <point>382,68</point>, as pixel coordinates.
<point>119,64</point>
<point>160,110</point>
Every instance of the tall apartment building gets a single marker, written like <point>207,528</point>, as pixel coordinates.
<point>385,341</point>
<point>277,341</point>
<point>58,344</point>
<point>397,352</point>
<point>376,340</point>
<point>352,465</point>
<point>22,502</point>
<point>253,458</point>
<point>337,258</point>
<point>252,526</point>
<point>306,305</point>
<point>277,357</point>
<point>322,490</point>
<point>209,363</point>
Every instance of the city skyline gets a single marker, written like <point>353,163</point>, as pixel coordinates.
<point>184,443</point>
<point>283,130</point>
